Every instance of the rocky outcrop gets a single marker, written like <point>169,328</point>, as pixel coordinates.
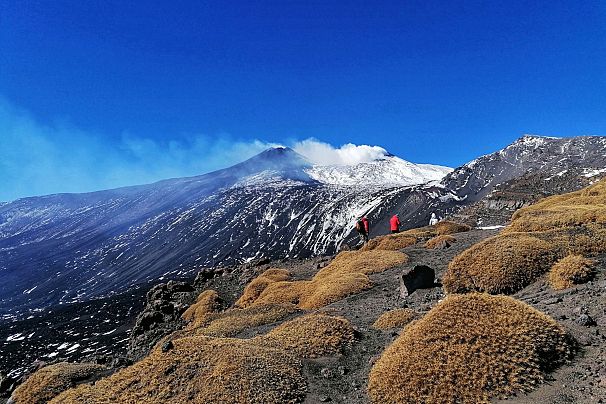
<point>166,303</point>
<point>419,277</point>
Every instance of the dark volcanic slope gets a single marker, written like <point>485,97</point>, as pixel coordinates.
<point>74,247</point>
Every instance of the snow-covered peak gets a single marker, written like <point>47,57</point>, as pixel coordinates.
<point>386,171</point>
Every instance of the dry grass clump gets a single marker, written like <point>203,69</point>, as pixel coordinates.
<point>396,318</point>
<point>438,240</point>
<point>51,380</point>
<point>312,335</point>
<point>469,349</point>
<point>587,206</point>
<point>200,312</point>
<point>445,227</point>
<point>258,285</point>
<point>539,235</point>
<point>570,271</point>
<point>345,275</point>
<point>236,320</point>
<point>500,264</point>
<point>390,242</point>
<point>202,370</point>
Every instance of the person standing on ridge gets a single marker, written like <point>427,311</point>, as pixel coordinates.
<point>363,228</point>
<point>434,219</point>
<point>394,224</point>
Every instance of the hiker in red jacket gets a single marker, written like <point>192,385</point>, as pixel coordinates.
<point>363,228</point>
<point>394,224</point>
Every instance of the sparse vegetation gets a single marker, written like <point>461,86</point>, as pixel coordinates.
<point>202,370</point>
<point>445,227</point>
<point>258,285</point>
<point>235,320</point>
<point>397,318</point>
<point>312,335</point>
<point>538,236</point>
<point>439,240</point>
<point>392,242</point>
<point>469,349</point>
<point>51,380</point>
<point>345,275</point>
<point>570,271</point>
<point>201,311</point>
<point>501,264</point>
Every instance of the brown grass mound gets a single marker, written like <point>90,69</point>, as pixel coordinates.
<point>202,370</point>
<point>538,236</point>
<point>312,335</point>
<point>570,271</point>
<point>235,320</point>
<point>397,318</point>
<point>345,275</point>
<point>578,208</point>
<point>390,242</point>
<point>445,227</point>
<point>501,264</point>
<point>51,380</point>
<point>258,285</point>
<point>200,312</point>
<point>438,240</point>
<point>468,349</point>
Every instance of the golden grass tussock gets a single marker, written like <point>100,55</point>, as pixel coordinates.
<point>345,275</point>
<point>397,318</point>
<point>258,285</point>
<point>500,264</point>
<point>578,208</point>
<point>438,240</point>
<point>446,227</point>
<point>570,271</point>
<point>390,242</point>
<point>398,241</point>
<point>233,321</point>
<point>312,335</point>
<point>51,380</point>
<point>201,311</point>
<point>468,349</point>
<point>200,369</point>
<point>539,235</point>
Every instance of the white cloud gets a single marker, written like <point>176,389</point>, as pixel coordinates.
<point>37,159</point>
<point>325,154</point>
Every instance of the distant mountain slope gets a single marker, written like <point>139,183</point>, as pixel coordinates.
<point>387,171</point>
<point>74,247</point>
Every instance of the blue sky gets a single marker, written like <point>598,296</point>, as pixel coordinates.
<point>108,93</point>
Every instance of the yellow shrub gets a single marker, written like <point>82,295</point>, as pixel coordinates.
<point>201,370</point>
<point>571,270</point>
<point>573,223</point>
<point>397,318</point>
<point>51,380</point>
<point>469,349</point>
<point>445,227</point>
<point>501,264</point>
<point>312,335</point>
<point>258,285</point>
<point>434,242</point>
<point>236,320</point>
<point>345,275</point>
<point>199,313</point>
<point>390,242</point>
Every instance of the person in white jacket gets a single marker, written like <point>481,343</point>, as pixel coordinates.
<point>434,219</point>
